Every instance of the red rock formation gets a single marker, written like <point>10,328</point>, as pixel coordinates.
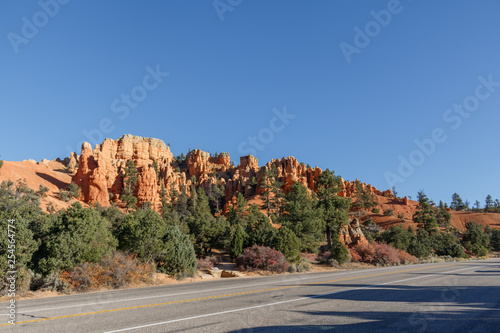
<point>100,172</point>
<point>349,189</point>
<point>351,234</point>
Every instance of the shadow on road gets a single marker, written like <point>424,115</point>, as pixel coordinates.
<point>441,309</point>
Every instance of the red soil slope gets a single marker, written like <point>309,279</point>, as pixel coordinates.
<point>53,175</point>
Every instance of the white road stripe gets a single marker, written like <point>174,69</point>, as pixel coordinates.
<point>203,291</point>
<point>282,302</point>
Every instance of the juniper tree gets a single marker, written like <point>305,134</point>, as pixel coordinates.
<point>76,235</point>
<point>288,243</point>
<point>237,240</point>
<point>178,256</point>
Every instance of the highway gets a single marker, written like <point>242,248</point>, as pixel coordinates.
<point>442,297</point>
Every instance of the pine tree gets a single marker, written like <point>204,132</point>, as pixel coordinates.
<point>488,203</point>
<point>236,214</point>
<point>334,209</point>
<point>457,203</point>
<point>207,231</point>
<point>258,228</point>
<point>130,180</point>
<point>236,244</point>
<point>267,186</point>
<point>426,215</point>
<point>302,217</point>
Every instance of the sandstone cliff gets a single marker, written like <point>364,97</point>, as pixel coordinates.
<point>100,172</point>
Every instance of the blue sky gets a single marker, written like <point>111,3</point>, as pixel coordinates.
<point>232,66</point>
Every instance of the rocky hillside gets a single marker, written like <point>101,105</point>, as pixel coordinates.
<point>99,172</point>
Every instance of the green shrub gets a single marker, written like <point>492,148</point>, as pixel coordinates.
<point>389,212</point>
<point>73,190</point>
<point>375,210</point>
<point>303,266</point>
<point>64,195</point>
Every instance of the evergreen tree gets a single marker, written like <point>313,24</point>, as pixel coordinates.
<point>477,204</point>
<point>237,241</point>
<point>339,250</point>
<point>364,199</point>
<point>398,237</point>
<point>216,193</point>
<point>21,205</point>
<point>205,228</point>
<point>130,180</point>
<point>475,240</point>
<point>489,204</point>
<point>272,194</point>
<point>302,217</point>
<point>73,190</point>
<point>236,214</point>
<point>425,215</point>
<point>421,244</point>
<point>141,232</point>
<point>457,203</point>
<point>77,235</point>
<point>495,239</point>
<point>289,244</point>
<point>334,209</point>
<point>258,228</point>
<point>178,256</point>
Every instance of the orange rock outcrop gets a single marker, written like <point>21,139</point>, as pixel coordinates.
<point>101,170</point>
<point>351,234</point>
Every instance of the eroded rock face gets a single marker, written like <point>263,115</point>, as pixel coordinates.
<point>351,234</point>
<point>100,172</point>
<point>349,189</point>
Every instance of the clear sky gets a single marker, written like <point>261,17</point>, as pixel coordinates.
<point>345,85</point>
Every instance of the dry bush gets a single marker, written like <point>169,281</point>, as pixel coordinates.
<point>207,262</point>
<point>405,258</point>
<point>384,254</point>
<point>117,270</point>
<point>262,257</point>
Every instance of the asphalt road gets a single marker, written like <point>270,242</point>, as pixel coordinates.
<point>446,297</point>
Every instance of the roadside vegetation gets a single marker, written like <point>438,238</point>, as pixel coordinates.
<point>89,248</point>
